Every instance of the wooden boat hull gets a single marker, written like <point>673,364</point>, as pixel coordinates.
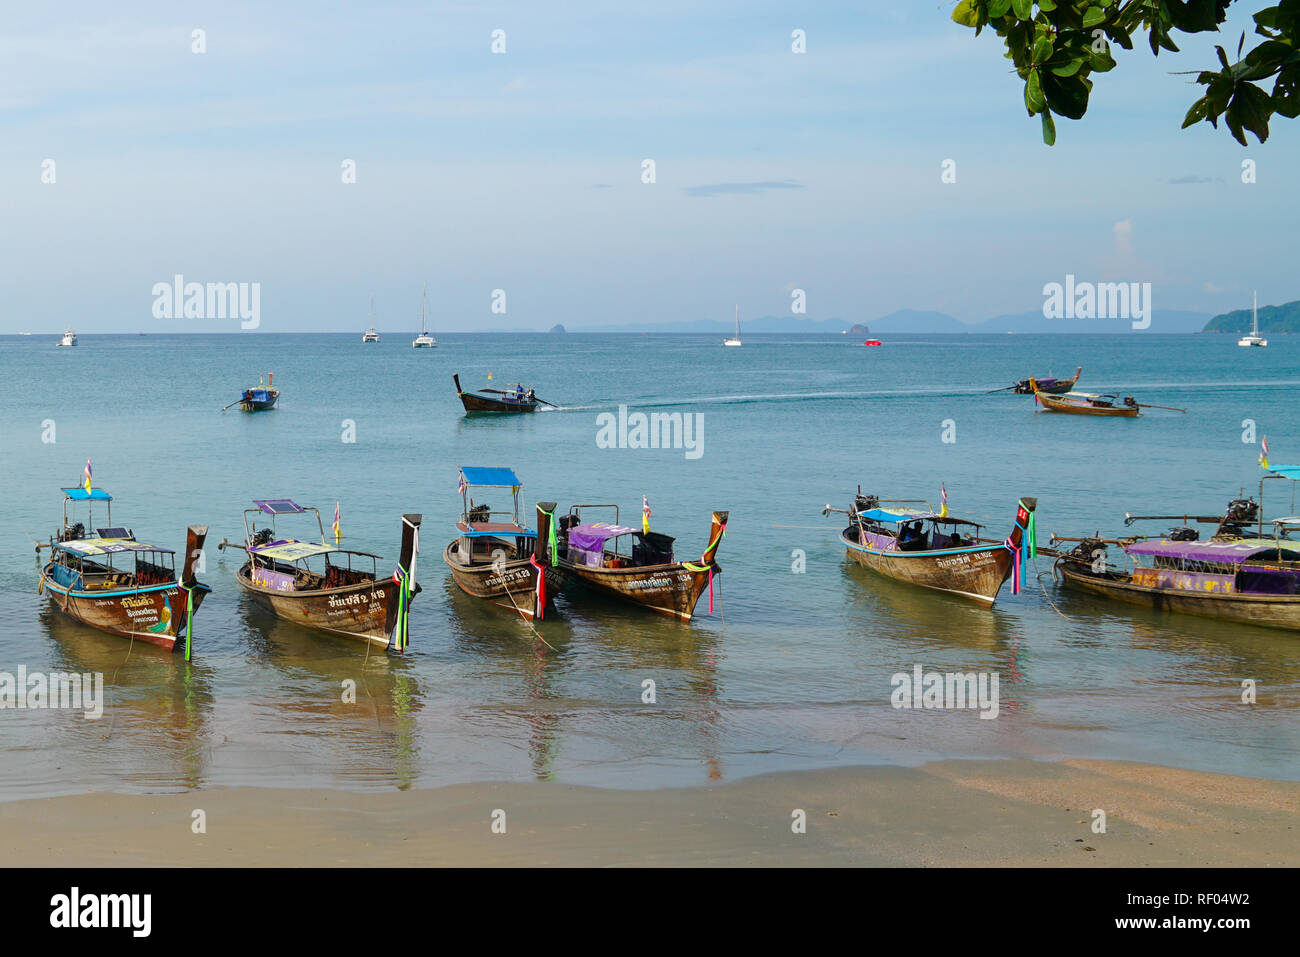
<point>155,615</point>
<point>1052,404</point>
<point>510,585</point>
<point>1274,611</point>
<point>477,402</point>
<point>257,405</point>
<point>358,611</point>
<point>975,573</point>
<point>671,590</point>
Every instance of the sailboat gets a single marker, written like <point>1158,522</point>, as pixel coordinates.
<point>734,340</point>
<point>1254,339</point>
<point>424,340</point>
<point>371,335</point>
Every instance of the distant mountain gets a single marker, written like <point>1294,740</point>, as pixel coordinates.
<point>1162,321</point>
<point>928,322</point>
<point>1275,319</point>
<point>558,329</point>
<point>763,324</point>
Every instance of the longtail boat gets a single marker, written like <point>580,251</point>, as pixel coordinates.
<point>1046,384</point>
<point>259,398</point>
<point>936,550</point>
<point>504,561</point>
<point>113,582</point>
<point>337,598</point>
<point>1091,403</point>
<point>648,574</point>
<point>515,399</point>
<point>1240,573</point>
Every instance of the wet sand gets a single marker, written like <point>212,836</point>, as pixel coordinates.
<point>951,813</point>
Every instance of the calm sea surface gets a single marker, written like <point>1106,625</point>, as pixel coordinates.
<point>791,671</point>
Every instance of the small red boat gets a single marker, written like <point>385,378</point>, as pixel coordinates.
<point>873,342</point>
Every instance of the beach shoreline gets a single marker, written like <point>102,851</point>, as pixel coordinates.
<point>948,813</point>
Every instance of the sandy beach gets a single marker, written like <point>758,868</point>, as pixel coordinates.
<point>954,813</point>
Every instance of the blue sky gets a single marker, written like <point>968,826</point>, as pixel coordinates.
<point>522,171</point>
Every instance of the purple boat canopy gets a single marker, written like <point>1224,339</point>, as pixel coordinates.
<point>588,541</point>
<point>1233,553</point>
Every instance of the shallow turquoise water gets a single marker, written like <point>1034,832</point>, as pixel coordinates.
<point>792,671</point>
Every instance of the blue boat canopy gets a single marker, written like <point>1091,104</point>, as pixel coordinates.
<point>1291,472</point>
<point>81,495</point>
<point>899,516</point>
<point>492,477</point>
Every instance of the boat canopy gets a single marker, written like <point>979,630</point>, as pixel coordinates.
<point>290,550</point>
<point>81,495</point>
<point>1232,552</point>
<point>87,547</point>
<point>494,530</point>
<point>1291,472</point>
<point>490,477</point>
<point>279,506</point>
<point>897,517</point>
<point>593,535</point>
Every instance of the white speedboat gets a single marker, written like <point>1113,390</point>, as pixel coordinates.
<point>69,338</point>
<point>734,340</point>
<point>1254,339</point>
<point>424,340</point>
<point>371,335</point>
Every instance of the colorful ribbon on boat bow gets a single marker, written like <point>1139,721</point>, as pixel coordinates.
<point>1027,549</point>
<point>541,586</point>
<point>189,616</point>
<point>713,545</point>
<point>401,636</point>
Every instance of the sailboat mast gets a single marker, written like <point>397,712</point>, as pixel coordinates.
<point>1254,314</point>
<point>424,311</point>
<point>737,320</point>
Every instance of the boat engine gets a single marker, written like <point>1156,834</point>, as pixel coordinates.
<point>1089,551</point>
<point>72,533</point>
<point>262,536</point>
<point>480,513</point>
<point>1183,533</point>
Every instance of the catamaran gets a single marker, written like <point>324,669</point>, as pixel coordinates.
<point>424,340</point>
<point>1254,339</point>
<point>371,335</point>
<point>734,340</point>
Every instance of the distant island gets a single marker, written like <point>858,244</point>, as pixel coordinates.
<point>917,321</point>
<point>558,329</point>
<point>1278,320</point>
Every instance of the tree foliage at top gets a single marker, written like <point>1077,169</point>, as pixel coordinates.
<point>1056,46</point>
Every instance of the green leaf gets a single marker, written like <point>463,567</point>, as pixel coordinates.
<point>1034,98</point>
<point>1286,94</point>
<point>1049,128</point>
<point>1042,49</point>
<point>1199,111</point>
<point>1024,8</point>
<point>966,14</point>
<point>998,8</point>
<point>1093,16</point>
<point>1067,95</point>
